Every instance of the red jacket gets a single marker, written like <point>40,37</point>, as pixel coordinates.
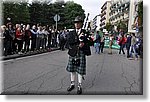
<point>122,40</point>
<point>27,34</point>
<point>18,34</point>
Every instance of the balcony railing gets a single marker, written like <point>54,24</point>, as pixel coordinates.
<point>104,13</point>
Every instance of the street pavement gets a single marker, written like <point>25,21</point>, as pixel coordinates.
<point>46,74</point>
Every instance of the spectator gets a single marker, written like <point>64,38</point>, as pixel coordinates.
<point>122,41</point>
<point>33,38</point>
<point>128,44</point>
<point>27,38</point>
<point>19,38</point>
<point>133,47</point>
<point>49,38</point>
<point>7,40</point>
<point>62,39</point>
<point>102,43</point>
<point>14,43</point>
<point>97,43</point>
<point>45,33</point>
<point>53,38</point>
<point>12,37</point>
<point>40,38</point>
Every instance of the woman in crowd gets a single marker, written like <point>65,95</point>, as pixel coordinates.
<point>122,41</point>
<point>27,38</point>
<point>19,38</point>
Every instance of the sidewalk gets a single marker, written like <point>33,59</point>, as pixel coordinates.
<point>26,54</point>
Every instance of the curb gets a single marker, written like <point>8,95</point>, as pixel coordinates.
<point>24,55</point>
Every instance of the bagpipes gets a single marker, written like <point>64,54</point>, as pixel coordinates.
<point>86,34</point>
<point>87,41</point>
<point>86,38</point>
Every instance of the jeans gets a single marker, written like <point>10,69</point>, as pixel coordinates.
<point>121,49</point>
<point>97,47</point>
<point>133,50</point>
<point>101,46</point>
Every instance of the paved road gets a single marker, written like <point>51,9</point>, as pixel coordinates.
<point>46,74</point>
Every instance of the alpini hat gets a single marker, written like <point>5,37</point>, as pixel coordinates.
<point>78,19</point>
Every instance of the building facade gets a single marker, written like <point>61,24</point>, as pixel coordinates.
<point>119,11</point>
<point>133,16</point>
<point>105,10</point>
<point>96,22</point>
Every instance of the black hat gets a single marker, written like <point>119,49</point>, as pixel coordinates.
<point>78,19</point>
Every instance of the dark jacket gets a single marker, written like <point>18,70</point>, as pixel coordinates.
<point>7,35</point>
<point>98,38</point>
<point>27,34</point>
<point>73,43</point>
<point>128,43</point>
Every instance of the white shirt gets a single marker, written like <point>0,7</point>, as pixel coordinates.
<point>78,30</point>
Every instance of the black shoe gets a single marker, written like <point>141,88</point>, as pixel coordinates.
<point>70,88</point>
<point>79,90</point>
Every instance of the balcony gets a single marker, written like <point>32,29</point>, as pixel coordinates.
<point>104,13</point>
<point>126,10</point>
<point>102,19</point>
<point>103,10</point>
<point>103,23</point>
<point>114,4</point>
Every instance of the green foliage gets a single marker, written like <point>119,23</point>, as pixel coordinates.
<point>109,26</point>
<point>122,25</point>
<point>71,10</point>
<point>140,13</point>
<point>43,13</point>
<point>19,12</point>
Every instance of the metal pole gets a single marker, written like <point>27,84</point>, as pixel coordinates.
<point>56,21</point>
<point>56,24</point>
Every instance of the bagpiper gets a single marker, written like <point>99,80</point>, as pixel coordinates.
<point>77,41</point>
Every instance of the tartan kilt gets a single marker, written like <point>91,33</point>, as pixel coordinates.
<point>81,69</point>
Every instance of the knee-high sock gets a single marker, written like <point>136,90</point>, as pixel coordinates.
<point>73,75</point>
<point>79,79</point>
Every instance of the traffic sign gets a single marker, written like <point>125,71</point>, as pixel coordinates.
<point>56,17</point>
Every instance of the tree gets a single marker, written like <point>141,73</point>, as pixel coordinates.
<point>109,26</point>
<point>18,12</point>
<point>36,13</point>
<point>140,14</point>
<point>43,12</point>
<point>122,25</point>
<point>71,10</point>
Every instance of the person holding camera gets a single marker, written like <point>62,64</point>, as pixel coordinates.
<point>78,49</point>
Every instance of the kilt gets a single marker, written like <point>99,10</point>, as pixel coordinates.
<point>81,69</point>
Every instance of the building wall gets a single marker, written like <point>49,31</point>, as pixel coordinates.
<point>133,15</point>
<point>119,10</point>
<point>96,22</point>
<point>105,9</point>
<point>107,12</point>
